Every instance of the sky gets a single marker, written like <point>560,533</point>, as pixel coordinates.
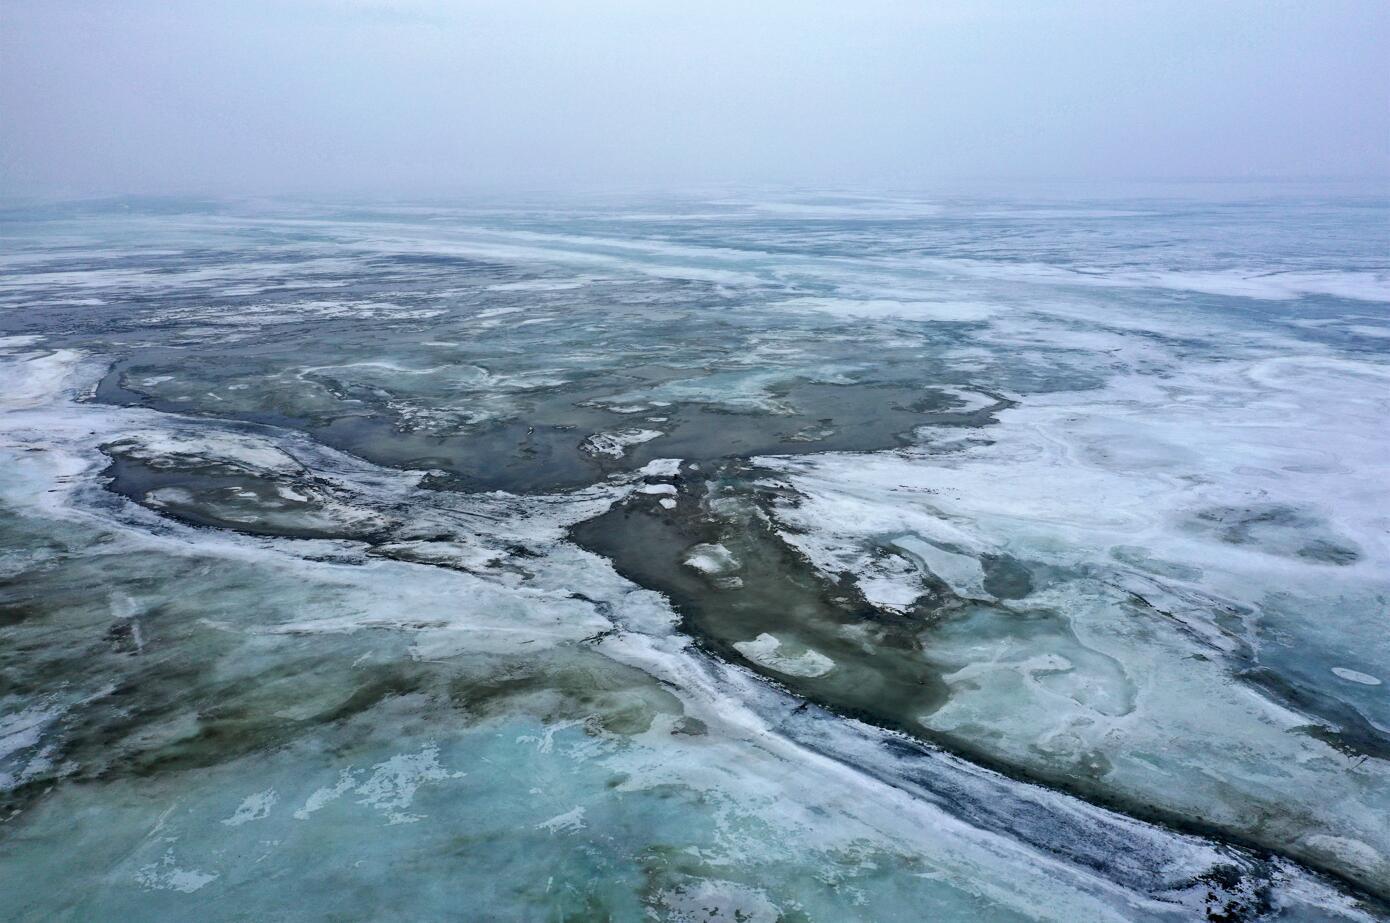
<point>422,96</point>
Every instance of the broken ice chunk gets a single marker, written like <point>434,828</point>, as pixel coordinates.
<point>615,445</point>
<point>766,651</point>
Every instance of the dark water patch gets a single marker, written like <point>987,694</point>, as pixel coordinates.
<point>1006,577</point>
<point>764,588</point>
<point>254,504</point>
<point>1276,528</point>
<point>540,446</point>
<point>1323,551</point>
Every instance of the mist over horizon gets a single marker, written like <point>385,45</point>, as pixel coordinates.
<point>418,98</point>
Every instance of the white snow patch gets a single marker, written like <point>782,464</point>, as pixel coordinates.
<point>254,807</point>
<point>568,822</point>
<point>164,875</point>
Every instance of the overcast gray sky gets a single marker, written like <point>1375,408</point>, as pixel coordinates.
<point>418,95</point>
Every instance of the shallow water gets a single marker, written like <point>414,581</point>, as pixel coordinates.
<point>1007,557</point>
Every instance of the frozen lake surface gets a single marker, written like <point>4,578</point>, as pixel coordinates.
<point>757,557</point>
